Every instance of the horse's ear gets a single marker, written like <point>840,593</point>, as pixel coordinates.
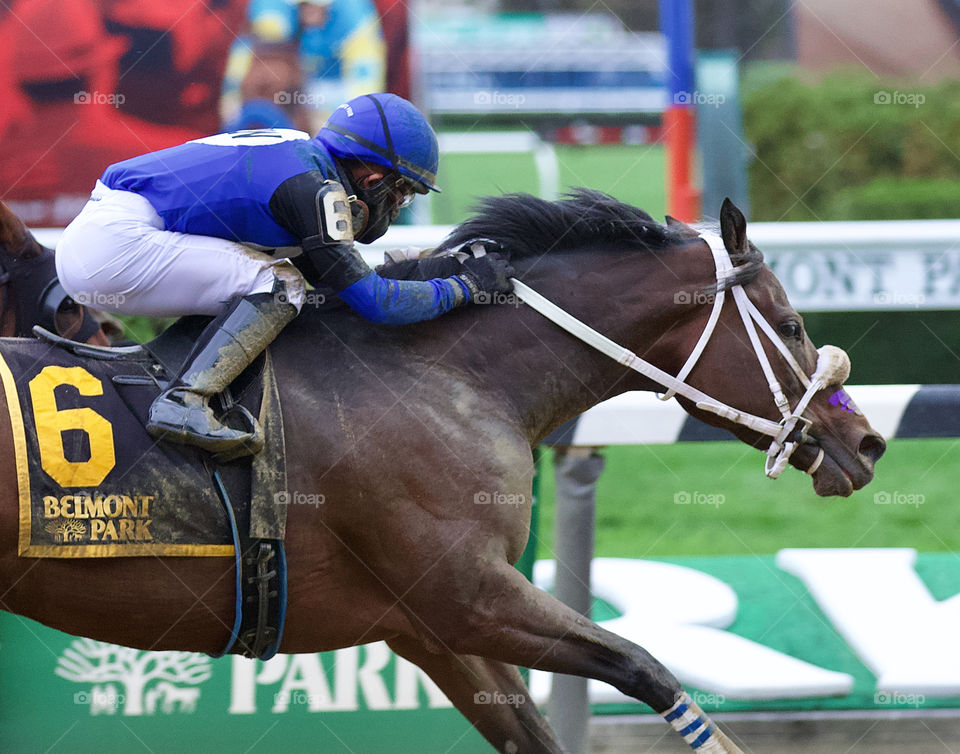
<point>13,233</point>
<point>733,228</point>
<point>684,230</point>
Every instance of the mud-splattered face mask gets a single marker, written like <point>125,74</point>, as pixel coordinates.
<point>379,205</point>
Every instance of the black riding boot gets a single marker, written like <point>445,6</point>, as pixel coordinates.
<point>228,346</point>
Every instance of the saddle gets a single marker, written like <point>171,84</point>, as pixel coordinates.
<point>250,519</point>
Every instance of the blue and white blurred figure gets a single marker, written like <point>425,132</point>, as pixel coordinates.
<point>339,47</point>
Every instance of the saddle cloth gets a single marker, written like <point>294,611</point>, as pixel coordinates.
<point>91,481</point>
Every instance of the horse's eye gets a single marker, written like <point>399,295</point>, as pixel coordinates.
<point>789,330</point>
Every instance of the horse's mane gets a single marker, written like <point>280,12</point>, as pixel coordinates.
<point>527,226</point>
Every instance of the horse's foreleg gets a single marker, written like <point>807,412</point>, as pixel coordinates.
<point>510,620</point>
<point>490,694</point>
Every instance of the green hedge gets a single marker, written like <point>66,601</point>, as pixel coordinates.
<point>900,198</point>
<point>850,147</point>
<point>902,347</point>
<point>142,329</point>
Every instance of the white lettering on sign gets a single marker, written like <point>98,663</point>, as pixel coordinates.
<point>678,615</point>
<point>942,274</point>
<point>885,612</point>
<point>831,279</point>
<point>301,680</point>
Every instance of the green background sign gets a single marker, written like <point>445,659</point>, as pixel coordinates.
<point>61,693</point>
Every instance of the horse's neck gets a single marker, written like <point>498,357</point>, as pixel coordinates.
<point>8,314</point>
<point>16,260</point>
<point>511,360</point>
<point>18,246</point>
<point>547,375</point>
<point>8,303</point>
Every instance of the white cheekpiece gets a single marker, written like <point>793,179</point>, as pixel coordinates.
<point>116,256</point>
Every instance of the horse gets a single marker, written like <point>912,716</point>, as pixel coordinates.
<point>409,433</point>
<point>30,294</point>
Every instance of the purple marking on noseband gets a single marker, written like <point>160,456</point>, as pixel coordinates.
<point>844,401</point>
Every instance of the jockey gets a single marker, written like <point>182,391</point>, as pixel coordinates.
<point>210,226</point>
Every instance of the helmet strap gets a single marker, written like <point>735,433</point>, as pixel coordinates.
<point>359,199</point>
<point>378,203</point>
<point>360,217</point>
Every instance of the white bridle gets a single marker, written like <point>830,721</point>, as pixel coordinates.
<point>833,364</point>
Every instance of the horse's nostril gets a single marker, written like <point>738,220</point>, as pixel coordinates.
<point>872,446</point>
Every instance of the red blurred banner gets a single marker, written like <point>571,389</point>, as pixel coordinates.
<point>86,83</point>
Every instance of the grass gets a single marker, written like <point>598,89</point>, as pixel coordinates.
<point>632,173</point>
<point>637,516</point>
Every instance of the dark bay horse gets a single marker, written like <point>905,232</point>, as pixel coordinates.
<point>405,431</point>
<point>26,274</point>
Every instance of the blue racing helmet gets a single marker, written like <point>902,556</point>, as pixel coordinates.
<point>386,130</point>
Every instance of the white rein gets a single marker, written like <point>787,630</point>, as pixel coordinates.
<point>833,365</point>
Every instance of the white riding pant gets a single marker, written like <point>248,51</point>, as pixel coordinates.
<point>116,256</point>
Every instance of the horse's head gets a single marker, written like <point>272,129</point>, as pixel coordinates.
<point>760,362</point>
<point>694,315</point>
<point>29,293</point>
